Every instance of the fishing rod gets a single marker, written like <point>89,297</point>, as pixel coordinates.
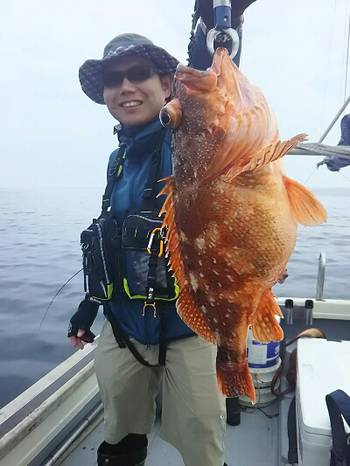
<point>54,297</point>
<point>222,34</point>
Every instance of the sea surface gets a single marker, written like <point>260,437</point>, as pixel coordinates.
<point>40,251</point>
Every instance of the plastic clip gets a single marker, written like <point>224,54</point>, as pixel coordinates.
<point>150,303</point>
<point>151,238</point>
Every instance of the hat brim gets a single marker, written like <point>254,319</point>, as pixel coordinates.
<point>90,73</point>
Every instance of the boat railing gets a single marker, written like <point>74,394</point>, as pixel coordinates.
<point>321,276</point>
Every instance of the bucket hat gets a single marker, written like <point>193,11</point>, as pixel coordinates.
<point>90,73</point>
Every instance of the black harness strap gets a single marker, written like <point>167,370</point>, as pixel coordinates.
<point>123,339</point>
<point>338,404</point>
<point>113,177</point>
<point>149,193</point>
<point>292,434</point>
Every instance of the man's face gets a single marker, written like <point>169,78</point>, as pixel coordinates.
<point>135,103</point>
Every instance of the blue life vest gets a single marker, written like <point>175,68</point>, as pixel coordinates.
<point>127,196</point>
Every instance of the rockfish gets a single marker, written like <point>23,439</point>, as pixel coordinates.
<point>230,212</point>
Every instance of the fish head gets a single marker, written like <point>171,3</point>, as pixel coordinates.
<point>213,115</point>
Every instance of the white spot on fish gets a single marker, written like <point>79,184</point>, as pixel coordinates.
<point>183,236</point>
<point>216,272</point>
<point>204,309</point>
<point>193,281</point>
<point>214,260</point>
<point>199,243</point>
<point>201,274</point>
<point>200,262</point>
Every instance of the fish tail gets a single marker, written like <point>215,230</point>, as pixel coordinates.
<point>307,210</point>
<point>234,378</point>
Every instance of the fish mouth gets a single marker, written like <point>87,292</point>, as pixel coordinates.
<point>196,81</point>
<point>220,55</point>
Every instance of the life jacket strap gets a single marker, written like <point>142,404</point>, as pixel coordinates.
<point>124,341</point>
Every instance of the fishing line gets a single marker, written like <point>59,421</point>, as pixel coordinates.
<point>308,178</point>
<point>342,174</point>
<point>57,293</point>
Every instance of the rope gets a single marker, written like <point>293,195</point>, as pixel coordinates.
<point>340,111</point>
<point>347,60</point>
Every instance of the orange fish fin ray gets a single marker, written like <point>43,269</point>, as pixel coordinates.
<point>233,379</point>
<point>186,308</point>
<point>306,209</point>
<point>264,323</point>
<point>267,154</point>
<point>169,180</point>
<point>192,317</point>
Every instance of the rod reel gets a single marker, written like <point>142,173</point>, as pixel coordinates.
<point>222,35</point>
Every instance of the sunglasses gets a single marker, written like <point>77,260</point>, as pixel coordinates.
<point>135,74</point>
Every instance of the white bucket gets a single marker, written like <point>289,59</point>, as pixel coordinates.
<point>262,379</point>
<point>263,362</point>
<point>262,355</point>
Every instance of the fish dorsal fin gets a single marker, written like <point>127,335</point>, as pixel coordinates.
<point>270,153</point>
<point>306,209</point>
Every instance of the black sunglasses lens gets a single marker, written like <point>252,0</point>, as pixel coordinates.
<point>139,73</point>
<point>136,74</point>
<point>113,78</point>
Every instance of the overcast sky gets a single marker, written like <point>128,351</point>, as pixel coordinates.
<point>53,135</point>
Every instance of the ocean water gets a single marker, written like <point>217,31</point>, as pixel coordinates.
<point>40,250</point>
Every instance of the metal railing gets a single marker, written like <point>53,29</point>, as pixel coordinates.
<point>321,276</point>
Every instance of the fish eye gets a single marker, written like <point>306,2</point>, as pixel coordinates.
<point>165,118</point>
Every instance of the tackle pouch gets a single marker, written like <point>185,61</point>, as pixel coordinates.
<point>144,266</point>
<point>99,244</point>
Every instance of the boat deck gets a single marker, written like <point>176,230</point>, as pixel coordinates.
<point>254,442</point>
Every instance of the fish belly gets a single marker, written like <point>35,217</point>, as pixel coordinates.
<point>231,247</point>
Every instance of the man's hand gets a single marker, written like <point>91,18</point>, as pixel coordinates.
<point>79,331</point>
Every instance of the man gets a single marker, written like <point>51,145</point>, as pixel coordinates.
<point>144,347</point>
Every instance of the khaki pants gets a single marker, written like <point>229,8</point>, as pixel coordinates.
<point>193,410</point>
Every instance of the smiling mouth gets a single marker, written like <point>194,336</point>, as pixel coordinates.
<point>131,104</point>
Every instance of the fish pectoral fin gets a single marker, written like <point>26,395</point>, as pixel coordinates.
<point>192,317</point>
<point>306,209</point>
<point>264,323</point>
<point>267,154</point>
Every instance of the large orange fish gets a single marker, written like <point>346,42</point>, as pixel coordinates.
<point>231,213</point>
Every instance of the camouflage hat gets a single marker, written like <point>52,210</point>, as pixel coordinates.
<point>90,73</point>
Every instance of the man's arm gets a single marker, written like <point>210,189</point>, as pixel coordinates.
<point>198,54</point>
